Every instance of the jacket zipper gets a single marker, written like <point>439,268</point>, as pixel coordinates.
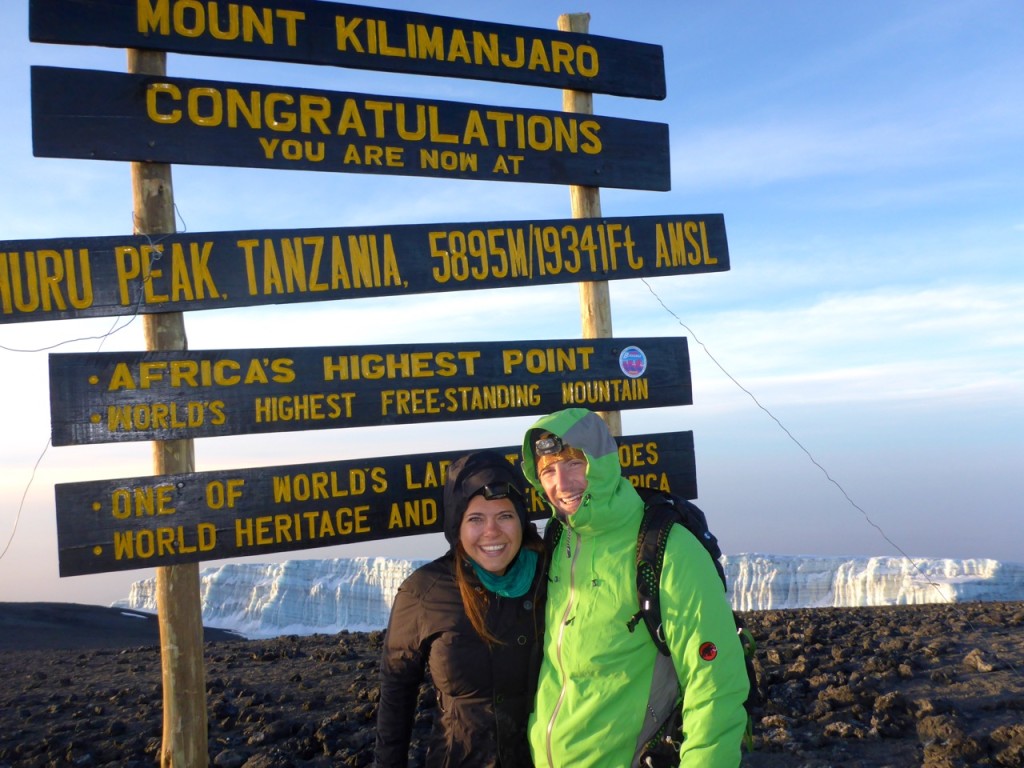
<point>570,604</point>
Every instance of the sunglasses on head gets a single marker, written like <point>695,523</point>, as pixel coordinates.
<point>500,491</point>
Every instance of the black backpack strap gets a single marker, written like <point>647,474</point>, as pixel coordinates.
<point>692,516</point>
<point>660,512</point>
<point>657,743</point>
<point>552,535</point>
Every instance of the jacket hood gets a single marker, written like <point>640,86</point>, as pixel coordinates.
<point>469,475</point>
<point>585,430</point>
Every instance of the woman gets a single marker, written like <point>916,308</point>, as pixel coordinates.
<point>475,616</point>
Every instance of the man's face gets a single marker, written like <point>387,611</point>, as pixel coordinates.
<point>564,483</point>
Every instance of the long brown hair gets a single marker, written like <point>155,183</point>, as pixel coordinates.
<point>475,598</point>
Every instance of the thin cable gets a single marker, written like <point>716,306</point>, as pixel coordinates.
<point>24,495</point>
<point>796,442</point>
<point>101,338</point>
<point>932,584</point>
<point>781,426</point>
<point>155,256</point>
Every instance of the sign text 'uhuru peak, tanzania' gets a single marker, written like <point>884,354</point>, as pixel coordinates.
<point>97,115</point>
<point>102,397</point>
<point>115,525</point>
<point>101,276</point>
<point>344,35</point>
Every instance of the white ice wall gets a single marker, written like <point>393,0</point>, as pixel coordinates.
<point>301,597</point>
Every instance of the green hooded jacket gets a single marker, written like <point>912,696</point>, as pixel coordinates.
<point>596,675</point>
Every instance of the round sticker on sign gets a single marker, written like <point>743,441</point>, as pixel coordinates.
<point>633,362</point>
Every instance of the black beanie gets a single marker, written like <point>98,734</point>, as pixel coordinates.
<point>467,476</point>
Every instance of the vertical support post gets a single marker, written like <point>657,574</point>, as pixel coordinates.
<point>177,586</point>
<point>595,301</point>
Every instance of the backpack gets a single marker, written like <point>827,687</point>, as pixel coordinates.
<point>658,743</point>
<point>661,512</point>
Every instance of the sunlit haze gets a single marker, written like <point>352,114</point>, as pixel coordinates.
<point>867,158</point>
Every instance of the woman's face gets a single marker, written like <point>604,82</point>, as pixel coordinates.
<point>491,533</point>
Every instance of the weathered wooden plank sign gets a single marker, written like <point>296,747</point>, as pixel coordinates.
<point>113,525</point>
<point>102,276</point>
<point>111,116</point>
<point>102,397</point>
<point>338,34</point>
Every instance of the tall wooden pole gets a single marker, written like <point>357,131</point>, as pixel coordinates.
<point>595,302</point>
<point>177,586</point>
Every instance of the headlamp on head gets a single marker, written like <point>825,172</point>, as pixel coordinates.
<point>549,448</point>
<point>547,445</point>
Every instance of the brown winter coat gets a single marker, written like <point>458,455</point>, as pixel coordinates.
<point>484,695</point>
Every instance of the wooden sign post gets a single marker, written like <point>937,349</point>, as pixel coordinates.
<point>595,299</point>
<point>179,609</point>
<point>175,518</point>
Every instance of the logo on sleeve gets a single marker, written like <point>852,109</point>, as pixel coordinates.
<point>708,651</point>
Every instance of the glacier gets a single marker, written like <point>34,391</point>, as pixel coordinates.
<point>304,597</point>
<point>765,582</point>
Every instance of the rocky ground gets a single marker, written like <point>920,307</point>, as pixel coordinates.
<point>935,686</point>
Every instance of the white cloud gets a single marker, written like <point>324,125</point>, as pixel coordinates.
<point>931,345</point>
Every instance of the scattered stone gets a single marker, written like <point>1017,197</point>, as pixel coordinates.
<point>936,685</point>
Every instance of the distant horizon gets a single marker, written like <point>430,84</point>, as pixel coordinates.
<point>255,562</point>
<point>355,593</point>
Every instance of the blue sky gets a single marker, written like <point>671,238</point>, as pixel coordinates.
<point>868,160</point>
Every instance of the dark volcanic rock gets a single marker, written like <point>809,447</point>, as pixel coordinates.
<point>936,686</point>
<point>40,626</point>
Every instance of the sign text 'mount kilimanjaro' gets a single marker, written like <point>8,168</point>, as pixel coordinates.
<point>149,118</point>
<point>338,34</point>
<point>100,276</point>
<point>122,396</point>
<point>115,525</point>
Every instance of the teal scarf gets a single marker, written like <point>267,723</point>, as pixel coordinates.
<point>517,577</point>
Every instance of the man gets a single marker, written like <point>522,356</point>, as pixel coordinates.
<point>596,676</point>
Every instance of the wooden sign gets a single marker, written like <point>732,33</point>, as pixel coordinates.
<point>102,276</point>
<point>102,397</point>
<point>111,116</point>
<point>115,525</point>
<point>337,34</point>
